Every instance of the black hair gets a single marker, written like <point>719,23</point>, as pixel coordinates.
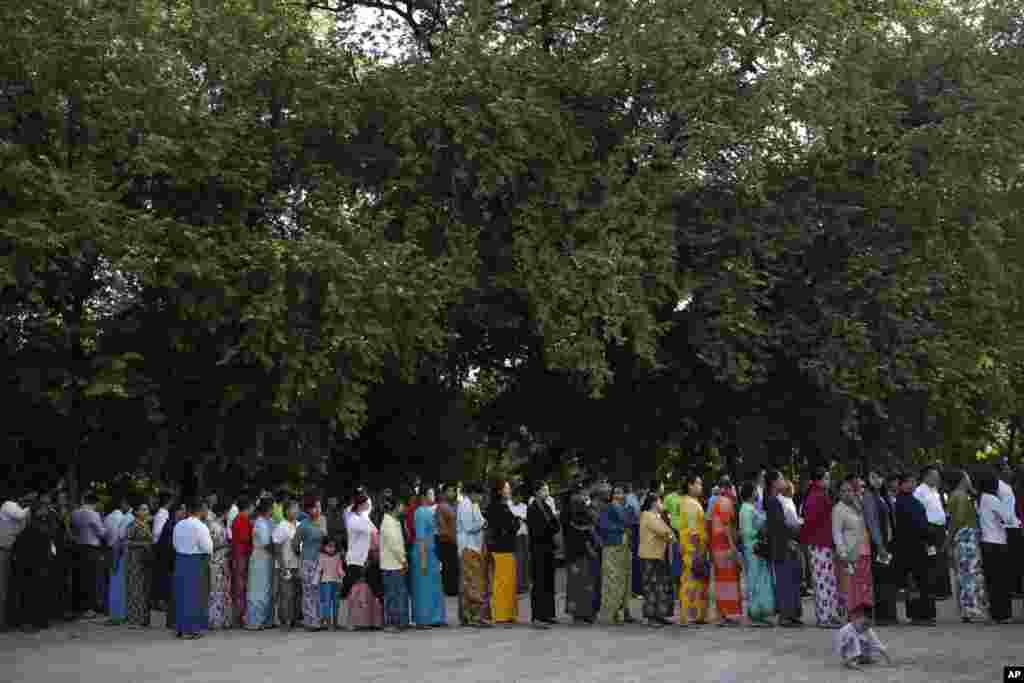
<point>928,468</point>
<point>988,482</point>
<point>649,502</point>
<point>196,504</point>
<point>90,498</point>
<point>818,473</point>
<point>771,477</point>
<point>220,507</point>
<point>166,499</point>
<point>747,491</point>
<point>265,505</point>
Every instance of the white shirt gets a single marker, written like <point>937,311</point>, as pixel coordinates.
<point>112,523</point>
<point>1009,501</point>
<point>159,519</point>
<point>992,518</point>
<point>932,502</point>
<point>13,518</point>
<point>392,548</point>
<point>793,520</point>
<point>520,512</point>
<point>469,525</point>
<point>192,537</point>
<point>282,535</point>
<point>360,533</point>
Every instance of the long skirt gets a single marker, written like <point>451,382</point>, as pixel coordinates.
<point>364,607</point>
<point>311,615</point>
<point>137,584</point>
<point>505,596</point>
<point>615,582</point>
<point>189,593</point>
<point>658,589</point>
<point>449,567</point>
<point>972,598</point>
<point>289,597</point>
<point>787,579</point>
<point>428,601</point>
<point>258,591</point>
<point>857,589</point>
<point>396,599</point>
<point>523,563</point>
<point>220,590</point>
<point>239,585</point>
<point>727,586</point>
<point>118,589</point>
<point>998,579</point>
<point>693,595</point>
<point>580,588</point>
<point>826,599</point>
<point>473,582</point>
<point>542,576</point>
<point>487,610</point>
<point>759,586</point>
<point>597,566</point>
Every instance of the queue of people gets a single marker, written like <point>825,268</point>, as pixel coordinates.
<point>737,558</point>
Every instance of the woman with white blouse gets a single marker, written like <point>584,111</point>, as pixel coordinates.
<point>992,519</point>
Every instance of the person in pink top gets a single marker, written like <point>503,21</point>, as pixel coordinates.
<point>332,572</point>
<point>817,536</point>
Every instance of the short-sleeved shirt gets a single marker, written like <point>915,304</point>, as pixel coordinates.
<point>312,537</point>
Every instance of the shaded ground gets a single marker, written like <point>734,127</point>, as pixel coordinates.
<point>91,652</point>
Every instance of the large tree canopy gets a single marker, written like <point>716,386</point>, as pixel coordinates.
<point>388,239</point>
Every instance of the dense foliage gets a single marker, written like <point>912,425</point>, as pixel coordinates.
<point>391,238</point>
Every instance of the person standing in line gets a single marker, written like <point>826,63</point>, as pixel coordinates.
<point>260,614</point>
<point>581,551</point>
<point>428,597</point>
<point>117,532</point>
<point>816,534</point>
<point>502,529</point>
<point>693,538</point>
<point>852,548</point>
<point>1014,534</point>
<point>311,537</point>
<point>616,562</point>
<point>783,529</point>
<point>915,552</point>
<point>394,566</point>
<point>138,561</point>
<point>165,559</point>
<point>928,493</point>
<point>542,520</point>
<point>879,520</point>
<point>965,539</point>
<point>364,607</point>
<point>192,548</point>
<point>995,558</point>
<point>32,560</point>
<point>219,604</point>
<point>658,585</point>
<point>287,546</point>
<point>241,552</point>
<point>725,556</point>
<point>89,533</point>
<point>760,593</point>
<point>332,573</point>
<point>163,513</point>
<point>447,541</point>
<point>13,520</point>
<point>519,507</point>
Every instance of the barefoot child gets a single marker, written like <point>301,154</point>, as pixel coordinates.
<point>331,575</point>
<point>856,643</point>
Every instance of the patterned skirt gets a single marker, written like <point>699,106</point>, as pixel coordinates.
<point>826,598</point>
<point>656,580</point>
<point>972,598</point>
<point>137,579</point>
<point>220,589</point>
<point>473,577</point>
<point>857,589</point>
<point>311,593</point>
<point>616,577</point>
<point>365,609</point>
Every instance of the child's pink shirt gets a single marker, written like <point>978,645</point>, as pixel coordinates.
<point>331,569</point>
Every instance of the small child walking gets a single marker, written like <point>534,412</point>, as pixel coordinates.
<point>332,572</point>
<point>856,643</point>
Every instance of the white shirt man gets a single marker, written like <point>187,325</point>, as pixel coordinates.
<point>932,502</point>
<point>192,537</point>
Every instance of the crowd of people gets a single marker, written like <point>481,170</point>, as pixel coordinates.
<point>742,556</point>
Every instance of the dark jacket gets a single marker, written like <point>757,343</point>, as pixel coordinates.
<point>580,532</point>
<point>914,534</point>
<point>782,544</point>
<point>543,524</point>
<point>502,527</point>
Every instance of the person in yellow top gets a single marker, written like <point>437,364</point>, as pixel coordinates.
<point>655,537</point>
<point>693,585</point>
